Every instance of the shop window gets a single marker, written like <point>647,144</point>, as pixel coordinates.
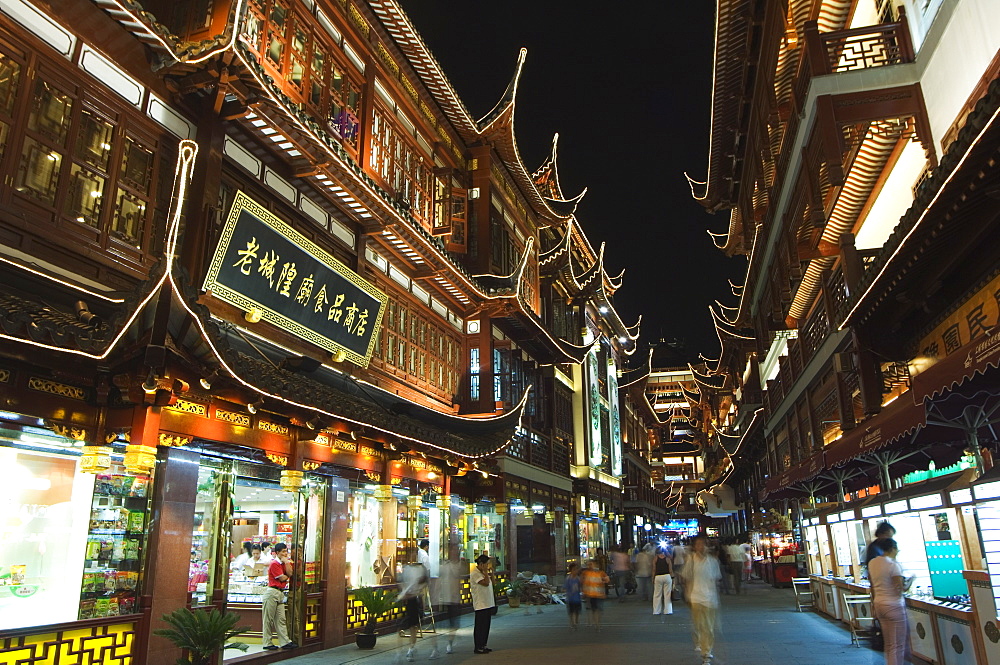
<point>208,513</point>
<point>73,542</point>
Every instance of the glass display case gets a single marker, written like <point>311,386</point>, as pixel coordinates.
<point>116,542</point>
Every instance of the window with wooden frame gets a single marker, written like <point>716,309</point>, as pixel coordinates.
<point>419,348</point>
<point>75,156</point>
<point>291,49</point>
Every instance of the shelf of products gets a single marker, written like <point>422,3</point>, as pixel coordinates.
<point>116,542</point>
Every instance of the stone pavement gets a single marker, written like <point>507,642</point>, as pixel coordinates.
<point>759,627</point>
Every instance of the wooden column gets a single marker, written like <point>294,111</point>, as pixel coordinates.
<point>335,566</point>
<point>167,562</point>
<point>198,235</point>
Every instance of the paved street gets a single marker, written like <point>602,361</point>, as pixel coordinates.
<point>760,627</point>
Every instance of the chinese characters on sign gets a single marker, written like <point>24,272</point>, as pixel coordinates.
<point>974,319</point>
<point>262,263</point>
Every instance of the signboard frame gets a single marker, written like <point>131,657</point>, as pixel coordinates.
<point>220,277</point>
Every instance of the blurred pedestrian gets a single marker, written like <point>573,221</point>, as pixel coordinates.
<point>483,602</point>
<point>574,595</point>
<point>413,582</point>
<point>644,571</point>
<point>701,579</point>
<point>621,570</point>
<point>888,584</point>
<point>595,583</point>
<point>884,531</point>
<point>663,574</point>
<point>450,594</point>
<point>679,556</point>
<point>737,559</point>
<point>722,554</point>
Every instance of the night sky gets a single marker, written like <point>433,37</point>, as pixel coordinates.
<point>628,89</point>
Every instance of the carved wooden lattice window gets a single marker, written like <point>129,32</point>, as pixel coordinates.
<point>75,156</point>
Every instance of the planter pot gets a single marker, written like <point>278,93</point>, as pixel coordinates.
<point>365,640</point>
<point>514,602</point>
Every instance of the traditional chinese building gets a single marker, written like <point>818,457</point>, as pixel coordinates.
<point>266,280</point>
<point>852,151</point>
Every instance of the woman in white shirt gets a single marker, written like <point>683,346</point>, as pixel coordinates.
<point>481,583</point>
<point>888,583</point>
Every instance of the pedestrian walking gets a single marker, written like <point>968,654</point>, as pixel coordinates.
<point>413,582</point>
<point>888,584</point>
<point>644,571</point>
<point>663,575</point>
<point>701,579</point>
<point>574,595</point>
<point>883,532</point>
<point>722,554</point>
<point>621,571</point>
<point>737,559</point>
<point>450,593</point>
<point>595,584</point>
<point>483,602</point>
<point>679,556</point>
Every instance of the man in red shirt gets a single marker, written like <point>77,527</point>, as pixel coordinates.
<point>278,574</point>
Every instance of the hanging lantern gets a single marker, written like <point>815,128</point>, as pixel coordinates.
<point>383,493</point>
<point>550,516</point>
<point>501,508</point>
<point>443,501</point>
<point>139,459</point>
<point>470,509</point>
<point>292,480</point>
<point>414,502</point>
<point>96,459</point>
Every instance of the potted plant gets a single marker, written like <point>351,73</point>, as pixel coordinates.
<point>201,633</point>
<point>515,591</point>
<point>376,603</point>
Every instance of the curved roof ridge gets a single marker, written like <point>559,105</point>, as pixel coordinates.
<point>506,102</point>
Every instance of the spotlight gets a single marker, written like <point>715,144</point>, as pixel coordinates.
<point>84,314</point>
<point>353,435</point>
<point>253,406</point>
<point>313,422</point>
<point>149,385</point>
<point>206,381</point>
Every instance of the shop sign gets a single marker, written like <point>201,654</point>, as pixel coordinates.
<point>263,264</point>
<point>974,319</point>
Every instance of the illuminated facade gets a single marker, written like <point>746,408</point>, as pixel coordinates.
<point>266,280</point>
<point>854,159</point>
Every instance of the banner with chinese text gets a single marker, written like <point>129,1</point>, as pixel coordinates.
<point>263,263</point>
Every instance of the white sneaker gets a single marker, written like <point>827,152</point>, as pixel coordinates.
<point>410,654</point>
<point>447,649</point>
<point>434,655</point>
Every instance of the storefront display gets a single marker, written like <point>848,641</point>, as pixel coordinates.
<point>371,543</point>
<point>73,542</point>
<point>115,545</point>
<point>485,532</point>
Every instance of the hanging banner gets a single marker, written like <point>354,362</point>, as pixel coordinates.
<point>262,263</point>
<point>596,445</point>
<point>616,423</point>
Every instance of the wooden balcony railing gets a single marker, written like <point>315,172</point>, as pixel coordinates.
<point>858,48</point>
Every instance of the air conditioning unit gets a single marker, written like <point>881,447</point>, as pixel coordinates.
<point>717,501</point>
<point>843,362</point>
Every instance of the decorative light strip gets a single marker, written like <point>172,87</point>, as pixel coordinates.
<point>923,214</point>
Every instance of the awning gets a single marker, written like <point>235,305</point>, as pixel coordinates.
<point>801,472</point>
<point>957,367</point>
<point>898,419</point>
